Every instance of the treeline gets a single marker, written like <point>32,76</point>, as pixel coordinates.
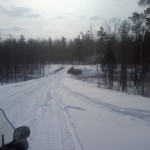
<point>124,55</point>
<point>121,50</point>
<point>21,57</point>
<point>124,52</point>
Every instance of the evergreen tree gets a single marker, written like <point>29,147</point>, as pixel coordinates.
<point>103,37</point>
<point>145,3</point>
<point>109,64</point>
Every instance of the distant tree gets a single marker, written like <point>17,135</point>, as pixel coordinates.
<point>124,53</point>
<point>63,42</point>
<point>87,42</point>
<point>103,37</point>
<point>50,50</point>
<point>138,29</point>
<point>79,49</point>
<point>109,64</point>
<point>111,27</point>
<point>63,50</point>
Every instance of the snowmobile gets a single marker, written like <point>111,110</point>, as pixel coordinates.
<point>11,138</point>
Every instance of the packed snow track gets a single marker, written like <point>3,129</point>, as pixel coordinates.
<point>37,104</point>
<point>64,113</point>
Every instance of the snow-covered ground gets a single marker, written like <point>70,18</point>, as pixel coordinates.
<point>68,114</point>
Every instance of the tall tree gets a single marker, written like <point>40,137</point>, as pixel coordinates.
<point>103,37</point>
<point>109,64</point>
<point>124,55</point>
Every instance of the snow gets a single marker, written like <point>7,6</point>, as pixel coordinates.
<point>64,113</point>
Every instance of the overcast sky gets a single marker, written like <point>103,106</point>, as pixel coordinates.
<point>57,18</point>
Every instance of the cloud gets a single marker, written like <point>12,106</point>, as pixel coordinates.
<point>72,15</point>
<point>96,18</point>
<point>14,11</point>
<point>13,29</point>
<point>60,17</point>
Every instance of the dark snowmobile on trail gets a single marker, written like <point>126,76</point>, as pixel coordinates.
<point>11,138</point>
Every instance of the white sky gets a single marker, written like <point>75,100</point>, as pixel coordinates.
<point>57,18</point>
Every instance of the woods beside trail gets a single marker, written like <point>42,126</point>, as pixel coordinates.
<point>121,50</point>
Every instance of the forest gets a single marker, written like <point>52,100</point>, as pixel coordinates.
<point>121,48</point>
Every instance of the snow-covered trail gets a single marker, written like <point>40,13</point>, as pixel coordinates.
<point>105,119</point>
<point>67,114</point>
<point>37,104</point>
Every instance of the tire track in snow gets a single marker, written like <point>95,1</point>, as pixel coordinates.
<point>18,90</point>
<point>138,113</point>
<point>37,104</point>
<point>57,135</point>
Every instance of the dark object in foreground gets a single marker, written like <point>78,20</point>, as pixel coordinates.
<point>74,71</point>
<point>11,138</point>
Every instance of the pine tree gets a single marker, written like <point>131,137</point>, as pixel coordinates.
<point>109,64</point>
